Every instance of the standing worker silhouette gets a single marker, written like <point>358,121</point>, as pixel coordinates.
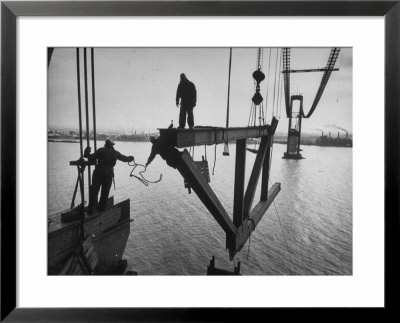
<point>103,173</point>
<point>186,92</point>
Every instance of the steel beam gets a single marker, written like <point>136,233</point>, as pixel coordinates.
<point>244,221</point>
<point>259,210</point>
<point>181,138</point>
<point>265,171</point>
<point>255,175</point>
<point>205,193</point>
<point>240,166</point>
<point>244,231</point>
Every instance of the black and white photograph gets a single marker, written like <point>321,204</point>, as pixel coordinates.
<point>196,161</point>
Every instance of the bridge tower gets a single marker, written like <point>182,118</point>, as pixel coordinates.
<point>295,119</point>
<point>294,130</point>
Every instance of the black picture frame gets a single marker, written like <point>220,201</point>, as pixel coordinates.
<point>11,10</point>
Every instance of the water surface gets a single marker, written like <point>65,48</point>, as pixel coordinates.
<point>307,232</point>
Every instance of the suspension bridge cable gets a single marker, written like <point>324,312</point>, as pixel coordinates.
<point>333,55</point>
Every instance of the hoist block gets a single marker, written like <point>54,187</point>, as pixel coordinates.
<point>258,76</point>
<point>257,98</point>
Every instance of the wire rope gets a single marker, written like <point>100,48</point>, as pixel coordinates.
<point>279,87</point>
<point>276,67</point>
<point>142,179</point>
<point>284,237</point>
<point>269,75</point>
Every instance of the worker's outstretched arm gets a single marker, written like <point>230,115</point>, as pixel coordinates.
<point>124,158</point>
<point>151,157</point>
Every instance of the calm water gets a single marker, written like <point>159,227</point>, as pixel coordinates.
<point>174,234</point>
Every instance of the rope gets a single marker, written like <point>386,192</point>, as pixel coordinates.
<point>86,108</point>
<point>283,232</point>
<point>229,87</point>
<point>142,179</point>
<point>270,156</point>
<point>276,210</point>
<point>248,249</point>
<point>279,88</point>
<point>215,157</point>
<point>80,120</point>
<point>254,115</point>
<point>259,114</point>
<point>281,99</point>
<point>273,100</point>
<point>93,100</point>
<point>251,113</point>
<point>260,54</point>
<point>266,95</point>
<point>79,100</point>
<point>257,100</point>
<point>251,231</point>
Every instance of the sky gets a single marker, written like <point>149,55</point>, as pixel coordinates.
<point>135,88</point>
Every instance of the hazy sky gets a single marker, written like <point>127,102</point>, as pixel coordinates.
<point>136,87</point>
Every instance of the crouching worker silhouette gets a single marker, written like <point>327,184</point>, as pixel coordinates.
<point>103,173</point>
<point>169,153</point>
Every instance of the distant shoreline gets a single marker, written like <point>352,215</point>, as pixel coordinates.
<point>77,141</point>
<point>307,143</point>
<point>63,140</point>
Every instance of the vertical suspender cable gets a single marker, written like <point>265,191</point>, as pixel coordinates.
<point>280,104</point>
<point>226,147</point>
<point>282,90</point>
<point>79,100</point>
<point>259,67</point>
<point>276,68</point>
<point>80,122</point>
<point>93,101</point>
<point>87,107</point>
<point>229,87</point>
<point>269,73</point>
<point>279,87</point>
